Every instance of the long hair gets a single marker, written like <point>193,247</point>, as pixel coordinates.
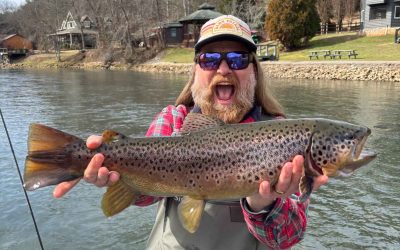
<point>263,94</point>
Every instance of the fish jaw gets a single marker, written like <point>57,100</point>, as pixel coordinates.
<point>356,158</point>
<point>364,158</point>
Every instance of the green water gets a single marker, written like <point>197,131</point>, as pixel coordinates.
<point>360,212</point>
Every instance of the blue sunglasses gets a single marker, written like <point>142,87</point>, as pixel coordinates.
<point>236,60</point>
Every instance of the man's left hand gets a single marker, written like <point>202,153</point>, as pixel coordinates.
<point>288,184</point>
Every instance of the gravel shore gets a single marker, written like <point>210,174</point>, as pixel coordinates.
<point>331,70</point>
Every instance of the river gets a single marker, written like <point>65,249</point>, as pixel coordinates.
<point>359,212</point>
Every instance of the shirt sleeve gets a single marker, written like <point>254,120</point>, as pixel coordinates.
<point>167,123</point>
<point>280,226</point>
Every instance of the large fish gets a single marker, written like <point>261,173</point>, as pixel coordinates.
<point>209,160</point>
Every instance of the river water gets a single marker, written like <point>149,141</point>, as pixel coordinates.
<point>360,212</point>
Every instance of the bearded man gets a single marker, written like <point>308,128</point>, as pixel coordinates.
<point>227,83</point>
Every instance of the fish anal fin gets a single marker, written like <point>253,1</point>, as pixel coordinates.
<point>112,136</point>
<point>190,212</point>
<point>196,122</point>
<point>117,197</point>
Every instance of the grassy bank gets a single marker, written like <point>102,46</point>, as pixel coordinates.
<point>380,48</point>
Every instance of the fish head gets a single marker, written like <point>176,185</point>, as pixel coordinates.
<point>337,148</point>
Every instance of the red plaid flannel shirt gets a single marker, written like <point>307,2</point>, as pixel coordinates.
<point>282,226</point>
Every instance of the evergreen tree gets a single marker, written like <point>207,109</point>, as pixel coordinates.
<point>292,22</point>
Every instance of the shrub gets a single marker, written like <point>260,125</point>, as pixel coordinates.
<point>292,22</point>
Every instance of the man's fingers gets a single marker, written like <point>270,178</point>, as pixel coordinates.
<point>285,179</point>
<point>113,177</point>
<point>94,165</point>
<point>319,181</point>
<point>94,141</point>
<point>61,189</point>
<point>102,177</point>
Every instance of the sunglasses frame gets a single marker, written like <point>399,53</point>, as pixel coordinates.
<point>224,57</point>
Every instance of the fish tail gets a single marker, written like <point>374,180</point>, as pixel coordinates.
<point>48,162</point>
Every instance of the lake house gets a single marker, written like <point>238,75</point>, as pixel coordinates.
<point>75,34</point>
<point>380,16</point>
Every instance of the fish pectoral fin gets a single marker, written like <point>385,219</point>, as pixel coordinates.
<point>112,136</point>
<point>306,187</point>
<point>117,197</point>
<point>190,212</point>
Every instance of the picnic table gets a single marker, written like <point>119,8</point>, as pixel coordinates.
<point>347,52</point>
<point>316,53</point>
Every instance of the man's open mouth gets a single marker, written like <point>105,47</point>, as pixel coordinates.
<point>224,92</point>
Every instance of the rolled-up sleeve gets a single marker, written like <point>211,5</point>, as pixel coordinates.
<point>280,226</point>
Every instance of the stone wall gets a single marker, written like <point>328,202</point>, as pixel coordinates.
<point>339,70</point>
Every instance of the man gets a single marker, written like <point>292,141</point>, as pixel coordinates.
<point>227,83</point>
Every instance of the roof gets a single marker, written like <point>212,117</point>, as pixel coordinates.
<point>204,13</point>
<point>5,36</point>
<point>173,25</point>
<point>74,31</point>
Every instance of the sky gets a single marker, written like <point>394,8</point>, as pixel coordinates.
<point>17,2</point>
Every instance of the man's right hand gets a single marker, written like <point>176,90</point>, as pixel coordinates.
<point>95,172</point>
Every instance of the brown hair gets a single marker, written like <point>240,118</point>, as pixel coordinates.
<point>263,93</point>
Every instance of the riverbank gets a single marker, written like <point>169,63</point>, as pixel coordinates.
<point>330,70</point>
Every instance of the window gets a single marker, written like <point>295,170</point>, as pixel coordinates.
<point>173,32</point>
<point>396,12</point>
<point>86,24</point>
<point>377,12</point>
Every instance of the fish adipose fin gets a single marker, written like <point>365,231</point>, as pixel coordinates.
<point>190,212</point>
<point>48,163</point>
<point>196,122</point>
<point>117,197</point>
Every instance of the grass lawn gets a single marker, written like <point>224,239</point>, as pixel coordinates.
<point>381,48</point>
<point>378,48</point>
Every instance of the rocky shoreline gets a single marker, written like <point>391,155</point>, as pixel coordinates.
<point>329,70</point>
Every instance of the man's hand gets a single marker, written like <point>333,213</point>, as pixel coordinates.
<point>95,172</point>
<point>287,185</point>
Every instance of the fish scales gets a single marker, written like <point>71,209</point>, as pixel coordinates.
<point>207,163</point>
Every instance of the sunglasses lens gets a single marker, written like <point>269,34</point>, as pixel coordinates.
<point>237,60</point>
<point>210,61</point>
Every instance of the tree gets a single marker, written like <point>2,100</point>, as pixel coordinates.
<point>292,22</point>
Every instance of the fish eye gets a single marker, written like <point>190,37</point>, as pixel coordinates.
<point>348,136</point>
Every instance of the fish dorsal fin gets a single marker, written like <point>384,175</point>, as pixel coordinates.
<point>117,197</point>
<point>195,122</point>
<point>112,136</point>
<point>190,212</point>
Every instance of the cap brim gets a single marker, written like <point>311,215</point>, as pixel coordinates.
<point>225,37</point>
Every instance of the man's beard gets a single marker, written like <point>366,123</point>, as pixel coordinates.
<point>243,98</point>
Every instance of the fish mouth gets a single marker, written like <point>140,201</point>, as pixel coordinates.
<point>360,156</point>
<point>224,92</point>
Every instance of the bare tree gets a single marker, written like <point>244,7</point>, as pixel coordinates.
<point>338,9</point>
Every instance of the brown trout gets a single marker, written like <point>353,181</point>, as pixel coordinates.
<point>208,160</point>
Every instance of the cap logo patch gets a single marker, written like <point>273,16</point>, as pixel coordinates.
<point>227,26</point>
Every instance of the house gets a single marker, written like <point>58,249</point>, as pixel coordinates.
<point>173,33</point>
<point>380,16</point>
<point>192,23</point>
<point>76,35</point>
<point>15,43</point>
